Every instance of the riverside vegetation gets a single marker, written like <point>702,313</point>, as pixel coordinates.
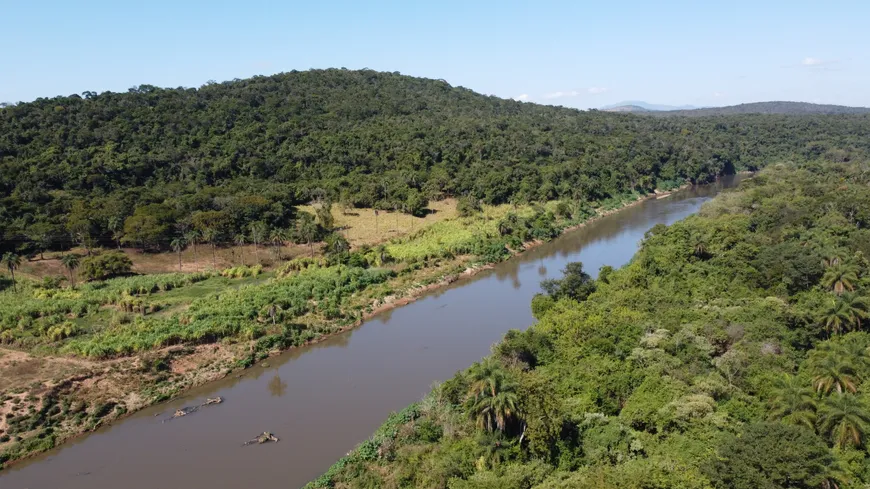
<point>77,355</point>
<point>732,352</point>
<point>267,162</point>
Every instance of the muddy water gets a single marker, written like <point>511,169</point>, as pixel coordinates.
<point>324,399</point>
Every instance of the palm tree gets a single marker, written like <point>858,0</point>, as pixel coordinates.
<point>491,397</point>
<point>306,228</point>
<point>845,419</point>
<point>856,309</point>
<point>836,317</point>
<point>839,275</point>
<point>115,225</point>
<point>192,237</point>
<point>492,412</point>
<point>12,261</point>
<point>210,235</point>
<point>793,402</point>
<point>277,239</point>
<point>70,261</point>
<point>258,235</point>
<point>240,240</point>
<point>177,245</point>
<point>832,373</point>
<point>855,354</point>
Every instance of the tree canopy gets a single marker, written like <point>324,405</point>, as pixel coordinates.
<point>87,169</point>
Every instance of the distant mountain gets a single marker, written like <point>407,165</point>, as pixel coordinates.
<point>785,108</point>
<point>626,108</point>
<point>641,106</point>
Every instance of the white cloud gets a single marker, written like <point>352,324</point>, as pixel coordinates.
<point>572,93</point>
<point>597,90</point>
<point>718,94</point>
<point>809,61</point>
<point>522,97</point>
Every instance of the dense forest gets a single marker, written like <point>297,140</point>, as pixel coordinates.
<point>153,165</point>
<point>732,352</point>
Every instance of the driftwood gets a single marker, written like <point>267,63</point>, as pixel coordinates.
<point>192,409</point>
<point>264,437</point>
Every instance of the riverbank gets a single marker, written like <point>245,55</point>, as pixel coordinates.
<point>672,364</point>
<point>192,366</point>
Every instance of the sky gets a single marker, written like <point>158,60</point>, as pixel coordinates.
<point>582,54</point>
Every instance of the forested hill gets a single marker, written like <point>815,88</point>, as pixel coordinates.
<point>780,108</point>
<point>141,165</point>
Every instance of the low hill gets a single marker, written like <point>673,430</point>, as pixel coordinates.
<point>779,108</point>
<point>142,166</point>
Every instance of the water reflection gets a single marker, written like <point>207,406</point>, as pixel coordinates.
<point>277,387</point>
<point>386,316</point>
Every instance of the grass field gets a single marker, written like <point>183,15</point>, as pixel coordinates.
<point>362,227</point>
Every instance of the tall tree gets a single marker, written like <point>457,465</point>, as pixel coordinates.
<point>177,246</point>
<point>12,262</point>
<point>70,261</point>
<point>211,236</point>
<point>840,275</point>
<point>277,237</point>
<point>306,230</point>
<point>40,236</point>
<point>491,397</point>
<point>856,309</point>
<point>259,231</point>
<point>845,419</point>
<point>793,402</point>
<point>116,226</point>
<point>240,239</point>
<point>192,237</point>
<point>836,318</point>
<point>831,372</point>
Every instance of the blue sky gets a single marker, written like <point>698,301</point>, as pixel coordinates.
<point>578,54</point>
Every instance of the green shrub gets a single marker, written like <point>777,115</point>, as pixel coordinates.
<point>105,265</point>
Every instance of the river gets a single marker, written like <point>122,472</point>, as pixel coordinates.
<point>323,399</point>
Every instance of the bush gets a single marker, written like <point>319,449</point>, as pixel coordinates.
<point>105,265</point>
<point>468,206</point>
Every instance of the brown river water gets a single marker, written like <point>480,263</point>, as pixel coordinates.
<point>324,399</point>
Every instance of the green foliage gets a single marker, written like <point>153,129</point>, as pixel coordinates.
<point>467,206</point>
<point>575,284</point>
<point>244,312</point>
<point>242,271</point>
<point>415,204</point>
<point>710,360</point>
<point>336,248</point>
<point>150,226</point>
<point>771,455</point>
<point>541,303</point>
<point>105,265</point>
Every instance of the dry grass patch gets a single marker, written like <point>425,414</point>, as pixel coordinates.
<point>361,226</point>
